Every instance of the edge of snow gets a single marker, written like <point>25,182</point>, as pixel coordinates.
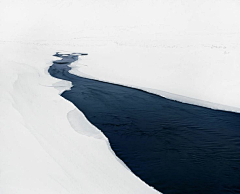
<point>183,99</point>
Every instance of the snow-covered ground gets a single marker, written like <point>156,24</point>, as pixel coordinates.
<point>186,50</point>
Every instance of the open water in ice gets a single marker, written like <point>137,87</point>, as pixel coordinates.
<point>177,148</point>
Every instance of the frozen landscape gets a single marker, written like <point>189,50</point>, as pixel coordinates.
<point>183,50</point>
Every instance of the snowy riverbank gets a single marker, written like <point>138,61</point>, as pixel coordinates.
<point>40,150</point>
<point>204,75</point>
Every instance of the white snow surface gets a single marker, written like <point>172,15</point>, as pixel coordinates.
<point>186,50</point>
<point>189,49</point>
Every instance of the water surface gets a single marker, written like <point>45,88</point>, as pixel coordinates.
<point>177,148</point>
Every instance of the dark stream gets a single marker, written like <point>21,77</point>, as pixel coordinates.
<point>172,146</point>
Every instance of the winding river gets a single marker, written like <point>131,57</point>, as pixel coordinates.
<point>177,148</point>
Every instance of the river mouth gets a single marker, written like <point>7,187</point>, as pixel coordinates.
<point>172,146</point>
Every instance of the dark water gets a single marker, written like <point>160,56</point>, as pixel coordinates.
<point>175,147</point>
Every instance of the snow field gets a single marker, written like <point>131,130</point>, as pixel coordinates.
<point>184,50</point>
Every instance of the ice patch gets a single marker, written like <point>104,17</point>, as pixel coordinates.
<point>62,86</point>
<point>81,125</point>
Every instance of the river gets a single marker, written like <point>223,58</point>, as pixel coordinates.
<point>177,148</point>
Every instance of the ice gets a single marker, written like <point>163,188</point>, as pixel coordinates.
<point>80,124</point>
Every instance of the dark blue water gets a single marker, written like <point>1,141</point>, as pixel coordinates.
<point>175,147</point>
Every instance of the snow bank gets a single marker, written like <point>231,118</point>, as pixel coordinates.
<point>205,74</point>
<point>46,145</point>
<point>197,75</point>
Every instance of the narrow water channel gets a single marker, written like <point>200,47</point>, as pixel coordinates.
<point>177,148</point>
